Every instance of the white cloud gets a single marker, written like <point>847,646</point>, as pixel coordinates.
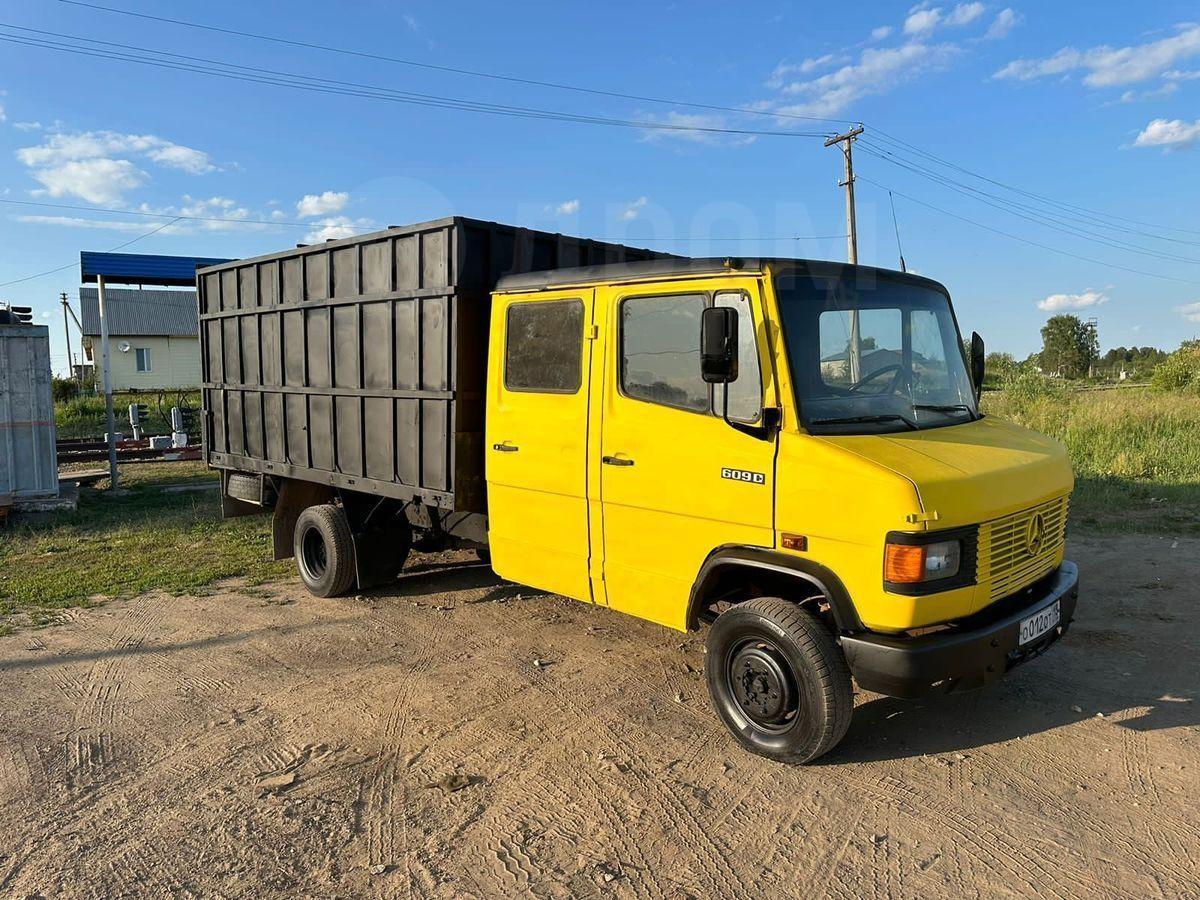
<point>876,71</point>
<point>186,159</point>
<point>1172,134</point>
<point>1190,311</point>
<point>1057,302</point>
<point>965,14</point>
<point>3,116</point>
<point>98,224</point>
<point>878,34</point>
<point>324,204</point>
<point>922,21</point>
<point>27,126</point>
<point>334,227</point>
<point>102,181</point>
<point>1179,75</point>
<point>1006,20</point>
<point>633,209</point>
<point>94,165</point>
<point>567,208</point>
<point>1111,66</point>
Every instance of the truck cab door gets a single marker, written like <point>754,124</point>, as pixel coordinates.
<point>676,480</point>
<point>536,439</point>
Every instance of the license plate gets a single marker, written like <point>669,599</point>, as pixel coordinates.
<point>1039,623</point>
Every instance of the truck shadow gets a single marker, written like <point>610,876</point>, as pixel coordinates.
<point>1026,704</point>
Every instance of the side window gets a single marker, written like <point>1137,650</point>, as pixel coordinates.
<point>660,350</point>
<point>142,361</point>
<point>745,394</point>
<point>543,350</point>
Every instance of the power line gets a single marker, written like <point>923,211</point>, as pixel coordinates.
<point>1024,240</point>
<point>296,81</point>
<point>1057,215</point>
<point>1030,194</point>
<point>175,216</point>
<point>72,264</point>
<point>183,218</point>
<point>1036,216</point>
<point>474,73</point>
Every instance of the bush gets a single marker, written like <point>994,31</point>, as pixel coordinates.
<point>1180,371</point>
<point>63,388</point>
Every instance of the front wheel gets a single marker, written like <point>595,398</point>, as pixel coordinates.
<point>778,681</point>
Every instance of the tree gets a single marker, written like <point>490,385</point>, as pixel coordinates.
<point>1069,346</point>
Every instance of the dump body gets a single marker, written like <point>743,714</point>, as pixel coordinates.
<point>28,462</point>
<point>360,363</point>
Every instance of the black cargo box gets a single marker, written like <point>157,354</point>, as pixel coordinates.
<point>360,363</point>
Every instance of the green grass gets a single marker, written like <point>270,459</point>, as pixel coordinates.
<point>145,538</point>
<point>84,416</point>
<point>1136,452</point>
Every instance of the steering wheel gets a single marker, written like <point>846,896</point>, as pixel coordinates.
<point>898,375</point>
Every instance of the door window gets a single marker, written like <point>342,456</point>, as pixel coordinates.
<point>745,393</point>
<point>660,355</point>
<point>660,350</point>
<point>543,350</point>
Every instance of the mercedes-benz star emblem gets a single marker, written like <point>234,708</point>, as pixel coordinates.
<point>1035,535</point>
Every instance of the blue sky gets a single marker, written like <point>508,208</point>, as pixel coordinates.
<point>1098,111</point>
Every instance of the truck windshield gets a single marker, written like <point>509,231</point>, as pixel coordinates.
<point>870,354</point>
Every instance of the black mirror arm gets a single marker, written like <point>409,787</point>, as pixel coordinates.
<point>770,420</point>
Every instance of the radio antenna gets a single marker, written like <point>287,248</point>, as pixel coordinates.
<point>896,225</point>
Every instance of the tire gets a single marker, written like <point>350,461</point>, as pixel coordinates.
<point>778,681</point>
<point>484,555</point>
<point>324,550</point>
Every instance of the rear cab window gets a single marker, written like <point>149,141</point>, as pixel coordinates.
<point>543,350</point>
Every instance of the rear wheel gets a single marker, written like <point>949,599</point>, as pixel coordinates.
<point>324,550</point>
<point>778,680</point>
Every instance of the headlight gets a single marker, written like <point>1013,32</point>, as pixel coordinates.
<point>918,563</point>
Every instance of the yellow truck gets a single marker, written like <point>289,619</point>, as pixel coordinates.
<point>788,453</point>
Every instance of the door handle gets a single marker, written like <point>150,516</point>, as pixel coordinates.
<point>506,447</point>
<point>615,461</point>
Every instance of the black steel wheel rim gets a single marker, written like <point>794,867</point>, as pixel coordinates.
<point>313,553</point>
<point>761,682</point>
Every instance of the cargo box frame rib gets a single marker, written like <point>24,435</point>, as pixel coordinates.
<point>297,382</point>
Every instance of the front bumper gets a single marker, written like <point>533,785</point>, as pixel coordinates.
<point>974,652</point>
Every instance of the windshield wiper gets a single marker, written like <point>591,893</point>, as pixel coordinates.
<point>879,417</point>
<point>945,407</point>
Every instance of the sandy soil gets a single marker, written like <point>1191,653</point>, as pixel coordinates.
<point>459,737</point>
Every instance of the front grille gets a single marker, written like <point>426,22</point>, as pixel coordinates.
<point>1004,547</point>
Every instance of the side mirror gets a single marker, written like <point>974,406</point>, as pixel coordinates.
<point>977,367</point>
<point>719,345</point>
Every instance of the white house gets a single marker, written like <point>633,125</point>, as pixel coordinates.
<point>153,337</point>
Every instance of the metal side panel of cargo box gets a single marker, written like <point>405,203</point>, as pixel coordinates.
<point>28,461</point>
<point>361,362</point>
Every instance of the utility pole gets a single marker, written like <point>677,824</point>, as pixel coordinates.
<point>67,331</point>
<point>109,418</point>
<point>847,142</point>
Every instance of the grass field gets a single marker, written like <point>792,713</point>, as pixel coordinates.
<point>1136,452</point>
<point>84,416</point>
<point>1136,455</point>
<point>159,533</point>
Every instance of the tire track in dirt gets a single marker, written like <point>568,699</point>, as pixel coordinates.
<point>715,874</point>
<point>90,748</point>
<point>385,796</point>
<point>1074,815</point>
<point>990,843</point>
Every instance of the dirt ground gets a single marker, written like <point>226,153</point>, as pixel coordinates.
<point>460,737</point>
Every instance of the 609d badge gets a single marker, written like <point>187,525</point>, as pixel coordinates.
<point>744,475</point>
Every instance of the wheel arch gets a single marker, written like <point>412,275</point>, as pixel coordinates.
<point>730,566</point>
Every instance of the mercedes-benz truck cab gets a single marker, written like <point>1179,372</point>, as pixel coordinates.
<point>787,453</point>
<point>790,452</point>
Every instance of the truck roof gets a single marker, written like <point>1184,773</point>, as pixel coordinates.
<point>683,267</point>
